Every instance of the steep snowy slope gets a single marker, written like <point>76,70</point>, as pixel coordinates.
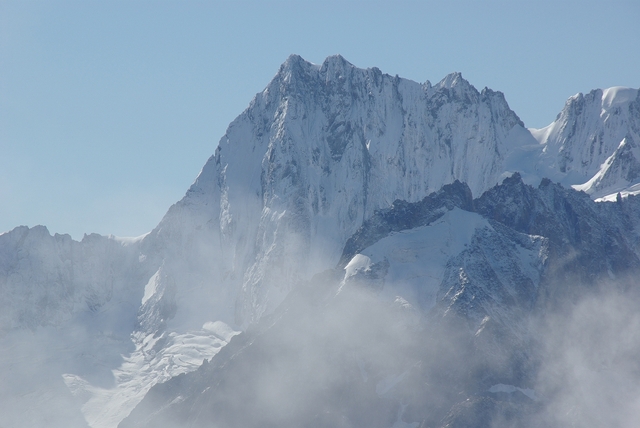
<point>592,144</point>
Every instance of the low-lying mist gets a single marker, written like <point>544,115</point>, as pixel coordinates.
<point>340,356</point>
<point>330,356</point>
<point>590,368</point>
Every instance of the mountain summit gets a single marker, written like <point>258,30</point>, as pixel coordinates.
<point>323,147</point>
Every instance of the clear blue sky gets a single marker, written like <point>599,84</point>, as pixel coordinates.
<point>108,109</point>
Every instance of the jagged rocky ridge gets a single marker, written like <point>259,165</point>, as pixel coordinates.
<point>321,151</point>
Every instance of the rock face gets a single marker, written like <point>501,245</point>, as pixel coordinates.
<point>332,165</point>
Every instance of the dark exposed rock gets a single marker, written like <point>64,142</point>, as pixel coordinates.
<point>403,215</point>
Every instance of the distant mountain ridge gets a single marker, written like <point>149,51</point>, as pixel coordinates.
<point>317,156</point>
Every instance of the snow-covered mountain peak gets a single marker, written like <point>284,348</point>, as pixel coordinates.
<point>451,80</point>
<point>323,147</point>
<point>606,99</point>
<point>452,84</point>
<point>582,147</point>
<point>618,96</point>
<point>335,63</point>
<point>294,65</point>
<point>615,100</point>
